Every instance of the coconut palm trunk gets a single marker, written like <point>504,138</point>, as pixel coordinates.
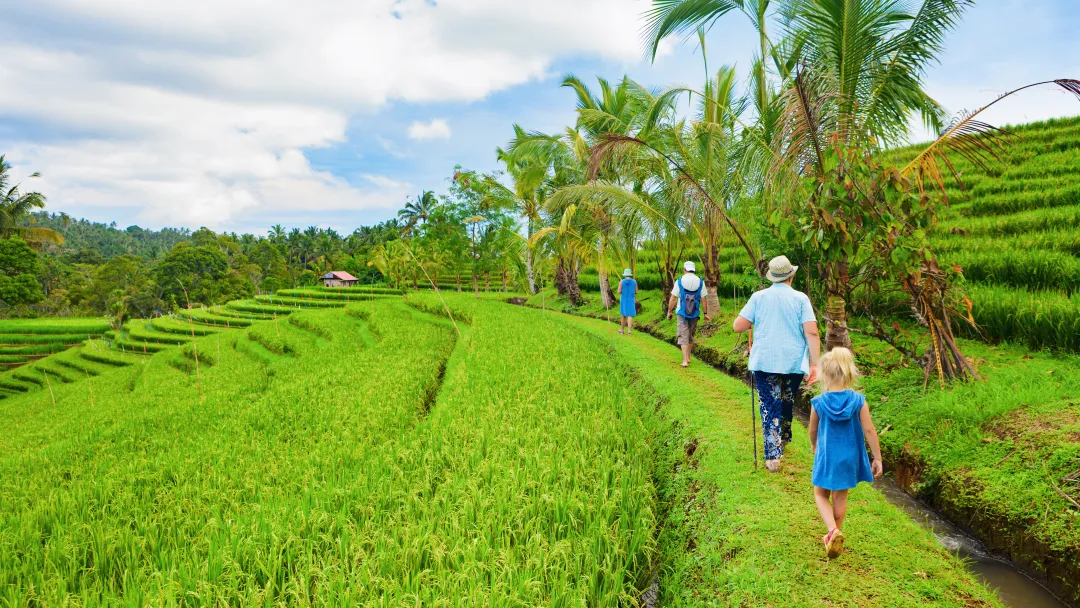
<point>561,280</point>
<point>530,272</point>
<point>837,333</point>
<point>573,289</point>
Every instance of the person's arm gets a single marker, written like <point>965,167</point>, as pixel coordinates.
<point>871,437</point>
<point>619,290</point>
<point>745,321</point>
<point>672,302</point>
<point>813,342</point>
<point>812,429</point>
<point>705,303</point>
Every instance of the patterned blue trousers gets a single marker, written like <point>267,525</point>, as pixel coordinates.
<point>776,396</point>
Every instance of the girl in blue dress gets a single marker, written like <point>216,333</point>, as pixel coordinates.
<point>840,428</point>
<point>627,301</point>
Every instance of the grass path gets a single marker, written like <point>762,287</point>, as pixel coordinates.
<point>739,537</point>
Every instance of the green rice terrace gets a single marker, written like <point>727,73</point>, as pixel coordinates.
<point>390,451</point>
<point>379,445</point>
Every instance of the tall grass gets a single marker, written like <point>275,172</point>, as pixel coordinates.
<point>1038,320</point>
<point>54,326</point>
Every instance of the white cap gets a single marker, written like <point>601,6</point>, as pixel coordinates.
<point>688,267</point>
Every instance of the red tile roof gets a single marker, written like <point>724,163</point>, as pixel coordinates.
<point>340,275</point>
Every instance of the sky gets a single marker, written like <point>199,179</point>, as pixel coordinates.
<point>240,114</point>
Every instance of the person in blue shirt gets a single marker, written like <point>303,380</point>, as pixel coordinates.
<point>688,302</point>
<point>840,429</point>
<point>784,350</point>
<point>627,302</point>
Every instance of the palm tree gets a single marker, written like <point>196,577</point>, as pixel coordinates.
<point>418,210</point>
<point>16,205</point>
<point>864,65</point>
<point>277,235</point>
<point>614,110</point>
<point>875,53</point>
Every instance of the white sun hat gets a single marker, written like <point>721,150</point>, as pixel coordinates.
<point>688,266</point>
<point>780,269</point>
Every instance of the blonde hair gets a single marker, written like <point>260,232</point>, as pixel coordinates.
<point>838,368</point>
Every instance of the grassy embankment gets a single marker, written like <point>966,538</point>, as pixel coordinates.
<point>749,538</point>
<point>998,456</point>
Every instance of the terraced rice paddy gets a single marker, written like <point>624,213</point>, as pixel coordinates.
<point>1015,232</point>
<point>23,341</point>
<point>380,454</point>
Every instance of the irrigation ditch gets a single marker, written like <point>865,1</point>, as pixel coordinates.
<point>1023,572</point>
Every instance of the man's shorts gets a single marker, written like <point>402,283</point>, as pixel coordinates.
<point>685,330</point>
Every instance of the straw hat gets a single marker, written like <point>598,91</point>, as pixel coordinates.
<point>627,273</point>
<point>780,269</point>
<point>688,266</point>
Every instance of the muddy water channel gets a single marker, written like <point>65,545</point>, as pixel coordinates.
<point>1013,586</point>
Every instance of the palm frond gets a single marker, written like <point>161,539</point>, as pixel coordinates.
<point>682,17</point>
<point>586,100</point>
<point>911,52</point>
<point>802,127</point>
<point>971,138</point>
<point>39,236</point>
<point>598,121</point>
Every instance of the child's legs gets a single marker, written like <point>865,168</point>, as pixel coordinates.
<point>630,323</point>
<point>839,506</point>
<point>824,507</point>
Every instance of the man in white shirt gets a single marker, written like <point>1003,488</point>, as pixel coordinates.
<point>688,303</point>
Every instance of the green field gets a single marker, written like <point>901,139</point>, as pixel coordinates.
<point>380,454</point>
<point>25,340</point>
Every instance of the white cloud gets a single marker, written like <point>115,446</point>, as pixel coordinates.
<point>436,129</point>
<point>194,113</point>
<point>199,113</point>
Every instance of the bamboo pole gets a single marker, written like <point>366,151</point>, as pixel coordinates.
<point>90,388</point>
<point>49,384</point>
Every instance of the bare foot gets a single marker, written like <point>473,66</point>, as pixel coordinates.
<point>684,364</point>
<point>773,465</point>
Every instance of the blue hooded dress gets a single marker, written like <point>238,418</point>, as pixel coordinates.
<point>626,299</point>
<point>841,461</point>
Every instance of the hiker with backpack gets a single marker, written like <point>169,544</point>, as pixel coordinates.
<point>786,348</point>
<point>688,303</point>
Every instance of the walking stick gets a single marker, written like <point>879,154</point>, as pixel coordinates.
<point>753,398</point>
<point>753,417</point>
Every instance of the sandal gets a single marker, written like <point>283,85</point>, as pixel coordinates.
<point>620,332</point>
<point>834,543</point>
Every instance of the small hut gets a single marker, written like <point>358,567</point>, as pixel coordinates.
<point>338,278</point>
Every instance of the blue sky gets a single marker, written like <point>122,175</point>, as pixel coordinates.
<point>239,114</point>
